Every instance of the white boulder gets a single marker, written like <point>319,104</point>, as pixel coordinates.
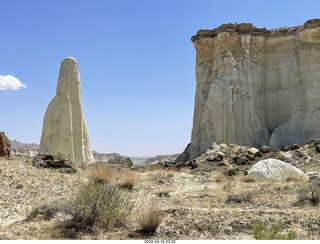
<point>274,170</point>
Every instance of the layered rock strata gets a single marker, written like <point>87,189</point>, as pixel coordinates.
<point>256,86</point>
<point>65,128</point>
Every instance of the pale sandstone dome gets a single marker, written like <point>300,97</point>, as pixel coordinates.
<point>275,170</point>
<point>64,126</point>
<point>256,86</point>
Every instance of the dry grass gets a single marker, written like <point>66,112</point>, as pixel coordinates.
<point>149,218</point>
<point>128,179</point>
<point>227,185</point>
<point>45,211</point>
<point>162,177</point>
<point>154,167</point>
<point>220,177</point>
<point>96,204</point>
<point>101,173</point>
<point>195,208</point>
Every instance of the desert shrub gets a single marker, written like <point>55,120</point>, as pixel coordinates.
<point>149,218</point>
<point>154,167</point>
<point>303,196</point>
<point>101,173</point>
<point>164,194</point>
<point>227,185</point>
<point>308,194</point>
<point>261,232</point>
<point>162,177</point>
<point>219,177</point>
<point>45,211</point>
<point>242,197</point>
<point>97,204</point>
<point>128,179</point>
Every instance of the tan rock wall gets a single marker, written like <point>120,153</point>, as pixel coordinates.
<point>256,86</point>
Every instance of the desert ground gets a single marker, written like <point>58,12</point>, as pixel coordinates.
<point>193,204</point>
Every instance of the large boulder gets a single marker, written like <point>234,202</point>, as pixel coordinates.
<point>4,145</point>
<point>64,125</point>
<point>55,161</point>
<point>274,170</point>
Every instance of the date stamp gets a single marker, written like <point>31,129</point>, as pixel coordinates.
<point>160,241</point>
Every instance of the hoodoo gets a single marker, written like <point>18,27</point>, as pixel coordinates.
<point>256,86</point>
<point>64,126</point>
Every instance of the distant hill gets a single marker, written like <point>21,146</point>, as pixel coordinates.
<point>20,148</point>
<point>19,145</point>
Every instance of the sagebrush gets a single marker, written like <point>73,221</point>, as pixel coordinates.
<point>261,232</point>
<point>97,204</point>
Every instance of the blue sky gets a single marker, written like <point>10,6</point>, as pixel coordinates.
<point>136,61</point>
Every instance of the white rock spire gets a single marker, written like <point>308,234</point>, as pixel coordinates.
<point>64,126</point>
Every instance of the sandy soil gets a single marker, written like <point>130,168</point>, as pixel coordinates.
<point>195,204</point>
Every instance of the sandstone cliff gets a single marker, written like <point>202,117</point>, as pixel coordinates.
<point>64,126</point>
<point>256,86</point>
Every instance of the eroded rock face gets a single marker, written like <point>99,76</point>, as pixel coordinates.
<point>256,87</point>
<point>64,126</point>
<point>4,145</point>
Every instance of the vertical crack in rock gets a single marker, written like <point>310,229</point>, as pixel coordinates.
<point>256,86</point>
<point>64,126</point>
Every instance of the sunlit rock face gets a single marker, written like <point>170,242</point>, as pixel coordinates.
<point>64,126</point>
<point>256,86</point>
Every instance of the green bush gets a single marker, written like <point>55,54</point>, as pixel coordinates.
<point>97,204</point>
<point>261,232</point>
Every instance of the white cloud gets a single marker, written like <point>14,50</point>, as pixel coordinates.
<point>10,82</point>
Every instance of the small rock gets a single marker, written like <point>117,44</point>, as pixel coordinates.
<point>286,148</point>
<point>217,159</point>
<point>192,164</point>
<point>235,159</point>
<point>223,145</point>
<point>253,150</point>
<point>275,150</point>
<point>317,148</point>
<point>242,161</point>
<point>251,157</point>
<point>19,186</point>
<point>316,142</point>
<point>294,146</point>
<point>264,149</point>
<point>298,153</point>
<point>180,165</point>
<point>230,172</point>
<point>215,147</point>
